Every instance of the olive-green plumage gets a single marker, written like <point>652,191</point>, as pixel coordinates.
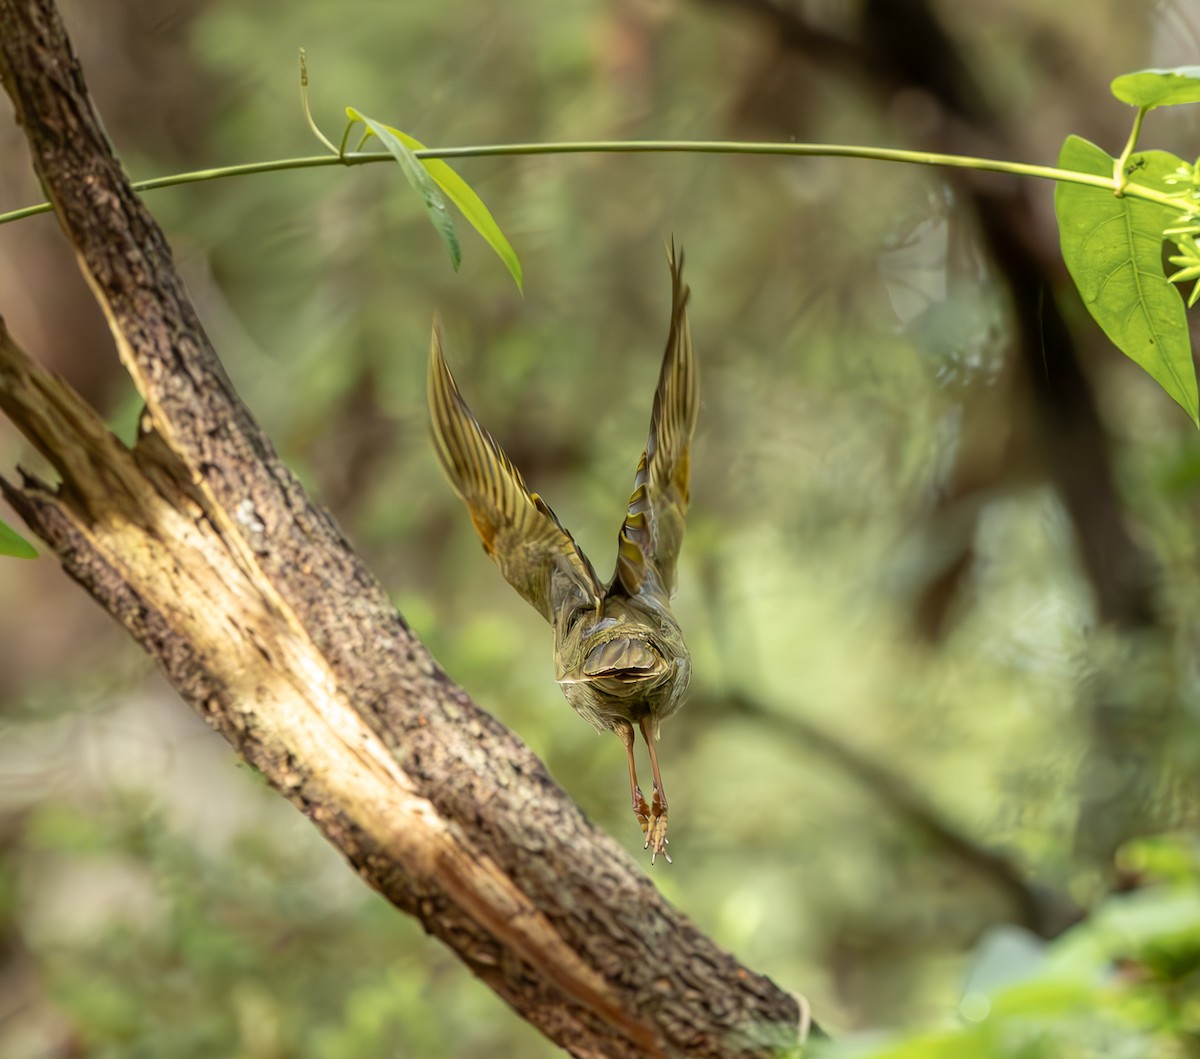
<point>619,653</point>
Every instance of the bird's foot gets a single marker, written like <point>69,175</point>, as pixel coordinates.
<point>653,821</point>
<point>654,827</point>
<point>641,810</point>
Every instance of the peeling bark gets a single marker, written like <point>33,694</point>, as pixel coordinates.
<point>204,546</point>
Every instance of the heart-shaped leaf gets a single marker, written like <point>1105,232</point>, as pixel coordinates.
<point>1159,88</point>
<point>1112,246</point>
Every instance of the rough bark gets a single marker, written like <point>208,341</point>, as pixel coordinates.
<point>203,545</point>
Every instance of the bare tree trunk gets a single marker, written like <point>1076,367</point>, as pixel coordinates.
<point>203,545</point>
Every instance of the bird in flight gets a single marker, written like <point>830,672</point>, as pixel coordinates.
<point>619,653</point>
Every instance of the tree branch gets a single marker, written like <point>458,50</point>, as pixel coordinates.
<point>203,545</point>
<point>1039,909</point>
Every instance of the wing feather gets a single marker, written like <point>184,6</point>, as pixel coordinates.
<point>524,538</point>
<point>650,538</point>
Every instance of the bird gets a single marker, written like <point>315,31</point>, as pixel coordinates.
<point>619,652</point>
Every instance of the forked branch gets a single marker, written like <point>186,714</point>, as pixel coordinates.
<point>203,545</point>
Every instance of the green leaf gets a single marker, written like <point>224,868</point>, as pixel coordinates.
<point>1042,997</point>
<point>12,543</point>
<point>470,204</point>
<point>1159,171</point>
<point>477,214</point>
<point>419,180</point>
<point>1134,921</point>
<point>1159,88</point>
<point>1113,249</point>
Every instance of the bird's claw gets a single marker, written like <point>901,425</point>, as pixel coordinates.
<point>641,810</point>
<point>656,838</point>
<point>653,819</point>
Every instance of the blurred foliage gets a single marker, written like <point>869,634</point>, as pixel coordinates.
<point>1125,983</point>
<point>156,900</point>
<point>261,951</point>
<point>12,543</point>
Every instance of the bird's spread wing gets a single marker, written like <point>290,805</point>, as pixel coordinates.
<point>536,555</point>
<point>653,530</point>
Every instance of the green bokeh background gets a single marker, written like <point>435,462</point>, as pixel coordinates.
<point>157,899</point>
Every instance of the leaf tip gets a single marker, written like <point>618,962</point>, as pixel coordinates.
<point>14,546</point>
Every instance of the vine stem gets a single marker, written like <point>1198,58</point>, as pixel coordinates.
<point>1120,177</point>
<point>733,147</point>
<point>304,103</point>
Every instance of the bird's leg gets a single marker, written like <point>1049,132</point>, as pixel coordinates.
<point>656,834</point>
<point>641,810</point>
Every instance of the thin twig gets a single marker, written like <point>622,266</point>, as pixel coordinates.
<point>729,147</point>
